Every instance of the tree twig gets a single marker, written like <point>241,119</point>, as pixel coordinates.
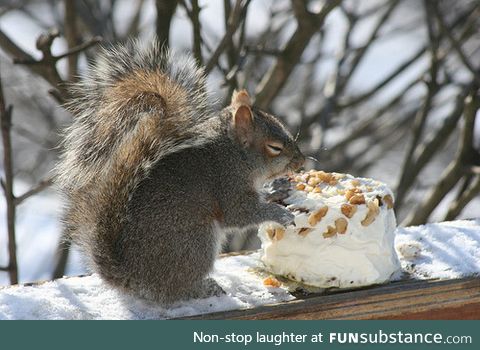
<point>448,32</point>
<point>455,169</point>
<point>442,54</point>
<point>165,12</point>
<point>236,15</point>
<point>307,25</point>
<point>5,123</point>
<point>133,27</point>
<point>61,257</point>
<point>46,66</point>
<point>71,35</point>
<point>34,190</point>
<point>197,32</point>
<point>360,54</point>
<point>79,48</point>
<point>464,198</point>
<point>352,101</point>
<point>421,118</point>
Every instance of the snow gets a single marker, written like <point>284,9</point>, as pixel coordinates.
<point>443,250</point>
<point>440,250</point>
<point>89,298</point>
<point>38,233</point>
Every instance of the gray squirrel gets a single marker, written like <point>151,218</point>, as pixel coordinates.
<point>154,177</point>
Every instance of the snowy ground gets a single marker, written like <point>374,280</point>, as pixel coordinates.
<point>38,233</point>
<point>89,298</point>
<point>441,250</point>
<point>446,250</point>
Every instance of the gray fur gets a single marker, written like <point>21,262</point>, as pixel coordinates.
<point>150,202</point>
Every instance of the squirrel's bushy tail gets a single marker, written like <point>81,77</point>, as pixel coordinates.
<point>135,105</point>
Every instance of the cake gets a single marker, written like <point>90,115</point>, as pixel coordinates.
<point>343,233</point>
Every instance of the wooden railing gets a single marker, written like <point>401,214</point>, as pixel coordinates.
<point>428,299</point>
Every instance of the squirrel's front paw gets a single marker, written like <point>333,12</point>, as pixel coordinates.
<point>283,216</point>
<point>287,219</point>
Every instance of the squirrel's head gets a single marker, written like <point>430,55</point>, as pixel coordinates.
<point>268,145</point>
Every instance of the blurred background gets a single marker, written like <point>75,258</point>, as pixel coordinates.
<point>377,88</point>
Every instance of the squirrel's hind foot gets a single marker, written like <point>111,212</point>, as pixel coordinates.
<point>210,288</point>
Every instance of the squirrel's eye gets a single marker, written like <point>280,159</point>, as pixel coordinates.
<point>274,149</point>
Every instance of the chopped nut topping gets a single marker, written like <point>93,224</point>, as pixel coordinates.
<point>373,211</point>
<point>300,187</point>
<point>341,225</point>
<point>317,215</point>
<point>308,189</point>
<point>331,231</point>
<point>348,210</point>
<point>270,232</point>
<point>355,182</point>
<point>275,233</point>
<point>327,177</point>
<point>389,200</point>
<point>271,282</point>
<point>304,231</point>
<point>352,192</point>
<point>357,199</point>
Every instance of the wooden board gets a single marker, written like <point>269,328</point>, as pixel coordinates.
<point>426,300</point>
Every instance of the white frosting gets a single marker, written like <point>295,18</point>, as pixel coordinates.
<point>364,254</point>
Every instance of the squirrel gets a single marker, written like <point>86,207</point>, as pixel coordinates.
<point>154,176</point>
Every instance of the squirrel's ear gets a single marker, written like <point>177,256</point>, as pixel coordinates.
<point>242,117</point>
<point>240,98</point>
<point>243,125</point>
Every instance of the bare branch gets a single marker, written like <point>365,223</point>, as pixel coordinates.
<point>360,54</point>
<point>307,26</point>
<point>34,190</point>
<point>197,34</point>
<point>455,169</point>
<point>165,12</point>
<point>72,37</point>
<point>366,125</point>
<point>231,51</point>
<point>61,257</point>
<point>448,32</point>
<point>21,56</point>
<point>46,66</point>
<point>133,27</point>
<point>79,48</point>
<point>395,73</point>
<point>353,101</point>
<point>425,151</point>
<point>421,117</point>
<point>465,197</point>
<point>6,123</point>
<point>236,15</point>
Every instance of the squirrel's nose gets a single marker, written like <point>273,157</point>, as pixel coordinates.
<point>298,161</point>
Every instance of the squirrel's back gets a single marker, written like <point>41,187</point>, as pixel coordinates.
<point>135,105</point>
